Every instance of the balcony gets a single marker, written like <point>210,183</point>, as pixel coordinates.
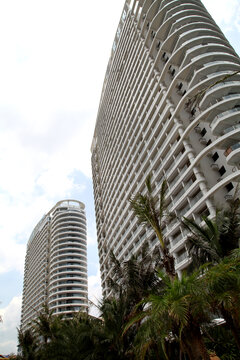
<point>224,120</point>
<point>220,91</point>
<point>182,257</point>
<point>233,154</point>
<point>231,128</point>
<point>230,137</point>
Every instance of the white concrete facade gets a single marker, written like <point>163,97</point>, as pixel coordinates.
<point>56,263</point>
<point>164,53</point>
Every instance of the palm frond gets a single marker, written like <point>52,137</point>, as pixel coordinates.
<point>162,204</point>
<point>203,241</point>
<point>148,183</point>
<point>135,319</point>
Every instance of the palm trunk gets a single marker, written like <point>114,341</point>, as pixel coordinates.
<point>169,264</point>
<point>168,260</point>
<point>193,343</point>
<point>235,329</point>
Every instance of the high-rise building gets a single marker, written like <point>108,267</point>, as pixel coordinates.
<point>165,53</point>
<point>56,263</point>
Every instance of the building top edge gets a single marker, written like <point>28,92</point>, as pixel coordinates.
<point>70,203</point>
<point>126,7</point>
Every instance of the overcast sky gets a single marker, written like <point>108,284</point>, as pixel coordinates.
<point>53,59</point>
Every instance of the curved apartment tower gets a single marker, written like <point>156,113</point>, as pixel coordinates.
<point>170,105</point>
<point>56,263</point>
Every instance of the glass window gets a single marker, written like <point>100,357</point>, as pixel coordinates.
<point>215,156</point>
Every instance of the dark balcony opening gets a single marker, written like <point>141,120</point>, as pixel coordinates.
<point>180,86</point>
<point>215,156</point>
<point>193,111</point>
<point>222,170</point>
<point>203,132</point>
<point>153,35</point>
<point>229,186</point>
<point>204,212</point>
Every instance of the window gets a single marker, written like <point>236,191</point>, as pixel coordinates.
<point>203,212</point>
<point>215,156</point>
<point>181,255</point>
<point>153,34</point>
<point>180,86</point>
<point>203,132</point>
<point>176,237</point>
<point>193,178</point>
<point>229,186</point>
<point>222,170</point>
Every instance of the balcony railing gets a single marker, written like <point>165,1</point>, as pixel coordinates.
<point>231,128</point>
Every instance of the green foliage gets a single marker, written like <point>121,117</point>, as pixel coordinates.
<point>147,212</point>
<point>220,339</point>
<point>78,339</point>
<point>151,214</point>
<point>160,321</point>
<point>173,316</point>
<point>28,345</point>
<point>217,238</point>
<point>137,277</point>
<point>152,314</point>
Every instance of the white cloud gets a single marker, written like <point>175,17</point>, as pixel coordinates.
<point>91,234</point>
<point>237,19</point>
<point>8,328</point>
<point>226,14</point>
<point>223,11</point>
<point>94,292</point>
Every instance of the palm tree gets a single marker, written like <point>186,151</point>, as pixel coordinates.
<point>148,213</point>
<point>27,345</point>
<point>79,338</point>
<point>152,340</point>
<point>220,339</point>
<point>46,324</point>
<point>222,287</point>
<point>131,282</point>
<point>137,277</point>
<point>178,314</point>
<point>203,242</point>
<point>114,312</point>
<point>216,238</point>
